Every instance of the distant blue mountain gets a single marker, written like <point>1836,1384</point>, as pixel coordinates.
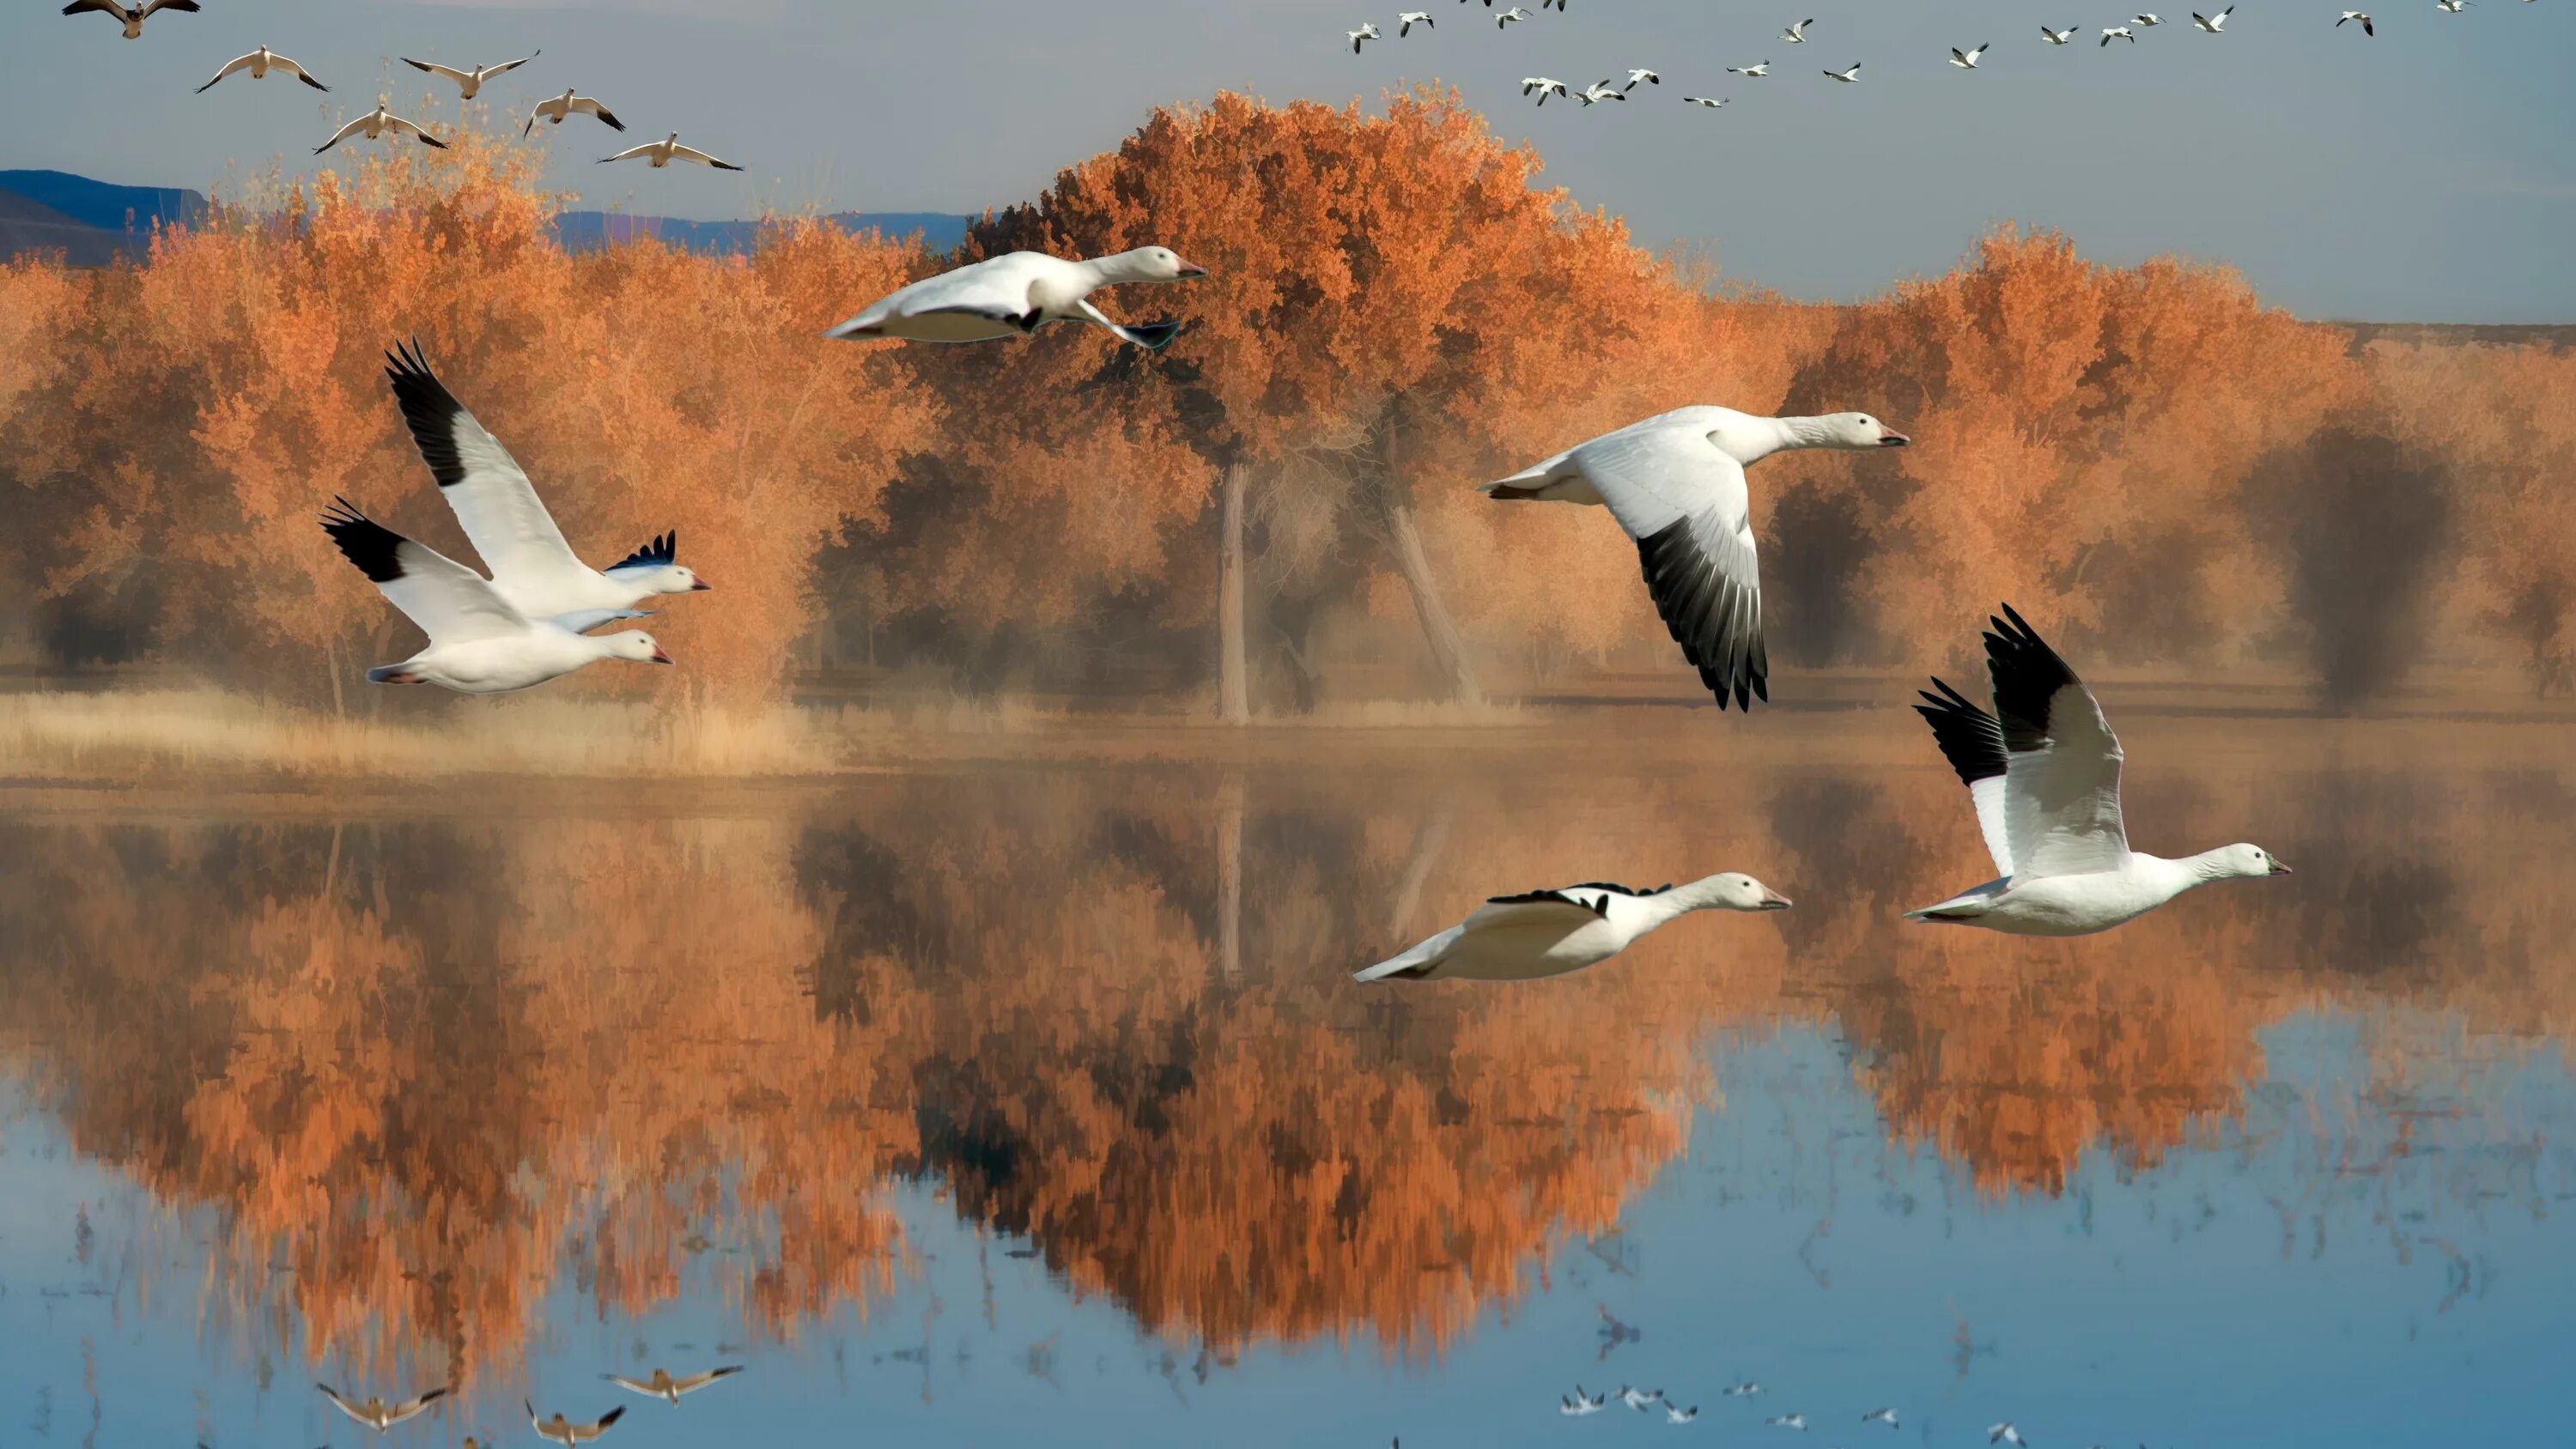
<point>109,208</point>
<point>582,231</point>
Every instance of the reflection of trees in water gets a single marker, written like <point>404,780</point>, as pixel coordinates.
<point>439,1068</point>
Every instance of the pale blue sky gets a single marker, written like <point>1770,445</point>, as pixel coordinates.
<point>2427,174</point>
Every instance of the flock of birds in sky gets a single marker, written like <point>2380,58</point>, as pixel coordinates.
<point>1960,58</point>
<point>381,1416</point>
<point>260,64</point>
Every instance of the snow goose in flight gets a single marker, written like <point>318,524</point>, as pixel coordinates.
<point>1755,72</point>
<point>1789,1421</point>
<point>2058,37</point>
<point>1362,36</point>
<point>1880,1416</point>
<point>1711,102</point>
<point>1746,1389</point>
<point>668,1389</point>
<point>2118,32</point>
<point>2005,1433</point>
<point>566,1432</point>
<point>132,19</point>
<point>2214,24</point>
<point>2044,774</point>
<point>379,122</point>
<point>1673,1415</point>
<point>1018,293</point>
<point>478,644</point>
<point>533,569</point>
<point>1551,932</point>
<point>663,152</point>
<point>378,1415</point>
<point>1599,91</point>
<point>1967,59</point>
<point>1542,84</point>
<point>1639,1399</point>
<point>2149,20</point>
<point>563,107</point>
<point>1676,485</point>
<point>469,82</point>
<point>1845,76</point>
<point>1582,1403</point>
<point>1797,34</point>
<point>2357,15</point>
<point>1405,22</point>
<point>1508,16</point>
<point>259,63</point>
<point>2452,7</point>
<point>1641,74</point>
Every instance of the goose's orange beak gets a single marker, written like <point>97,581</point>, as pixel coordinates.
<point>659,657</point>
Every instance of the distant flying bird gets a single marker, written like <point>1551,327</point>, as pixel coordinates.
<point>478,644</point>
<point>2043,772</point>
<point>1543,4</point>
<point>1746,1389</point>
<point>1789,1421</point>
<point>1405,22</point>
<point>1845,76</point>
<point>563,107</point>
<point>1797,34</point>
<point>1880,1416</point>
<point>1582,1403</point>
<point>2058,37</point>
<point>134,18</point>
<point>1640,73</point>
<point>1546,933</point>
<point>1675,484</point>
<point>1703,101</point>
<point>2357,15</point>
<point>667,150</point>
<point>2005,1433</point>
<point>2214,24</point>
<point>668,1389</point>
<point>2118,32</point>
<point>259,63</point>
<point>567,1432</point>
<point>378,1415</point>
<point>1508,16</point>
<point>469,82</point>
<point>533,569</point>
<point>1967,59</point>
<point>1756,71</point>
<point>1599,91</point>
<point>2149,20</point>
<point>1542,85</point>
<point>1016,294</point>
<point>1362,36</point>
<point>376,123</point>
<point>1639,1399</point>
<point>1680,1416</point>
<point>2452,7</point>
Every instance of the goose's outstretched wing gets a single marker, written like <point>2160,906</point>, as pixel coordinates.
<point>591,107</point>
<point>443,72</point>
<point>1562,910</point>
<point>687,153</point>
<point>342,134</point>
<point>401,127</point>
<point>1973,743</point>
<point>695,1382</point>
<point>2062,763</point>
<point>494,502</point>
<point>229,67</point>
<point>1685,502</point>
<point>416,1407</point>
<point>451,603</point>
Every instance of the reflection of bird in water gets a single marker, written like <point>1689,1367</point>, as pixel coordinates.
<point>1680,1416</point>
<point>1582,1403</point>
<point>1880,1416</point>
<point>668,1389</point>
<point>2044,774</point>
<point>1550,932</point>
<point>1639,1399</point>
<point>1746,1389</point>
<point>2005,1433</point>
<point>1614,1333</point>
<point>1790,1421</point>
<point>378,1415</point>
<point>565,1431</point>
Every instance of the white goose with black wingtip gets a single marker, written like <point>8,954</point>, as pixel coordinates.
<point>564,1431</point>
<point>2043,772</point>
<point>378,1415</point>
<point>668,1389</point>
<point>1017,293</point>
<point>478,644</point>
<point>469,83</point>
<point>1551,932</point>
<point>1676,485</point>
<point>259,63</point>
<point>533,569</point>
<point>131,17</point>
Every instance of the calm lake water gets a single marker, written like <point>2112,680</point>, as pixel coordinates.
<point>1033,1105</point>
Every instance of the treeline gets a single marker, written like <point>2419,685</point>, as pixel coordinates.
<point>1278,509</point>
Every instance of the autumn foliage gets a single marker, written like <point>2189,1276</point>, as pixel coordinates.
<point>1397,310</point>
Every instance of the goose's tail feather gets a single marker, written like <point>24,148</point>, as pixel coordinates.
<point>391,674</point>
<point>1416,962</point>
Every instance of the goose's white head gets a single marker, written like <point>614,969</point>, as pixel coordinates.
<point>1857,431</point>
<point>1149,264</point>
<point>1736,891</point>
<point>2233,860</point>
<point>634,644</point>
<point>676,579</point>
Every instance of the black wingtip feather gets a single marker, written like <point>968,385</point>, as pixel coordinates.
<point>2027,675</point>
<point>363,541</point>
<point>662,550</point>
<point>1968,736</point>
<point>428,409</point>
<point>612,1416</point>
<point>1701,609</point>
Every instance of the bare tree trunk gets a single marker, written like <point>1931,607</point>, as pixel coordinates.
<point>1233,685</point>
<point>339,708</point>
<point>1229,876</point>
<point>1439,628</point>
